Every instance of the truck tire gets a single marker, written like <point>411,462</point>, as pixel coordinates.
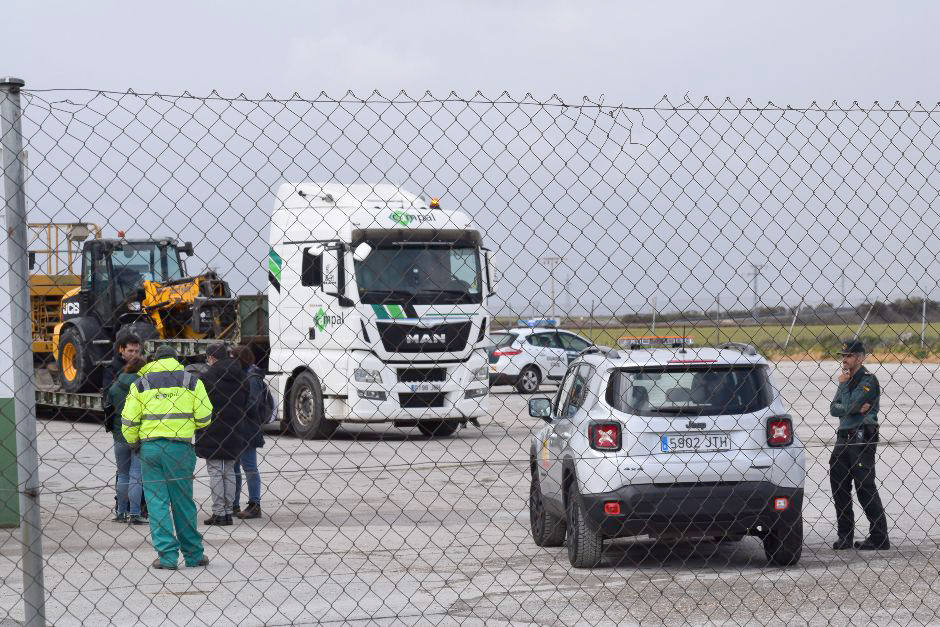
<point>584,545</point>
<point>783,542</point>
<point>528,380</point>
<point>305,406</point>
<point>547,528</point>
<point>76,364</point>
<point>438,428</point>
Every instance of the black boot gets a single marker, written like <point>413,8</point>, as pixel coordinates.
<point>843,544</point>
<point>873,544</point>
<point>216,520</point>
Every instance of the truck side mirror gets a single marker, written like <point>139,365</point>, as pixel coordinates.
<point>490,273</point>
<point>32,260</point>
<point>187,249</point>
<point>362,251</point>
<point>334,274</point>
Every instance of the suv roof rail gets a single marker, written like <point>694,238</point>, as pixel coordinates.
<point>741,347</point>
<point>606,351</point>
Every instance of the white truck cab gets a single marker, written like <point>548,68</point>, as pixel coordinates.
<point>377,309</point>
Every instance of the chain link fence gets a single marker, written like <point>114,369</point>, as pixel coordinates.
<point>409,276</point>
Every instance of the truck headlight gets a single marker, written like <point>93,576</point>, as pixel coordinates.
<point>482,373</point>
<point>135,306</point>
<point>361,375</point>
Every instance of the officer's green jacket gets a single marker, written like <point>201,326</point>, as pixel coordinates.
<point>166,402</point>
<point>862,388</point>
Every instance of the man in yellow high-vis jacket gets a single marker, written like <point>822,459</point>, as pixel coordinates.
<point>162,412</point>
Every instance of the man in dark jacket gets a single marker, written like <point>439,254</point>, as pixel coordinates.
<point>126,348</point>
<point>223,441</point>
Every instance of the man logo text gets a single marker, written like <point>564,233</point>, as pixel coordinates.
<point>426,338</point>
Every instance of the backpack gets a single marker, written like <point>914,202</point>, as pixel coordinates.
<point>261,398</point>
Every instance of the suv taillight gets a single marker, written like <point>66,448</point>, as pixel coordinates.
<point>507,352</point>
<point>780,431</point>
<point>604,436</point>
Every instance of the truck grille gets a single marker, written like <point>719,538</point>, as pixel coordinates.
<point>421,375</point>
<point>408,338</point>
<point>421,400</point>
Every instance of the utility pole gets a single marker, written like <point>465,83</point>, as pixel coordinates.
<point>755,270</point>
<point>551,263</point>
<point>845,296</point>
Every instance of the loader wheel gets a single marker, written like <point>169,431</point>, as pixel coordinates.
<point>305,406</point>
<point>76,367</point>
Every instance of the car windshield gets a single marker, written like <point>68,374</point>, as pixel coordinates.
<point>134,263</point>
<point>711,391</point>
<point>420,274</point>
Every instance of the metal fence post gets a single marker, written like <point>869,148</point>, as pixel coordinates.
<point>11,132</point>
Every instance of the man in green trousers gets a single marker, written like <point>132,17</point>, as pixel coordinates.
<point>162,412</point>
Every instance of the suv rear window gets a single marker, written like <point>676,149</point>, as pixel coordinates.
<point>711,391</point>
<point>503,339</point>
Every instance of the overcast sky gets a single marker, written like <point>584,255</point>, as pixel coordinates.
<point>621,53</point>
<point>630,52</point>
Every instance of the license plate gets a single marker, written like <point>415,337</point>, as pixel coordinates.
<point>695,443</point>
<point>425,387</point>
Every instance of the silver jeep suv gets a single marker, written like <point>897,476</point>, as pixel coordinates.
<point>666,441</point>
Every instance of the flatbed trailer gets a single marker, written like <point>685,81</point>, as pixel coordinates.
<point>251,330</point>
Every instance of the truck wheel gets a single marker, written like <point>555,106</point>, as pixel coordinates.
<point>528,381</point>
<point>783,543</point>
<point>584,545</point>
<point>547,528</point>
<point>76,367</point>
<point>305,404</point>
<point>438,428</point>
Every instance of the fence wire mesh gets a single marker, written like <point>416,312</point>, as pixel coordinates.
<point>410,275</point>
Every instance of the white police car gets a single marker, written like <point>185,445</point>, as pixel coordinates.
<point>666,441</point>
<point>527,357</point>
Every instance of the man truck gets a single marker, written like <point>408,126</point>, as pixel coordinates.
<point>377,309</point>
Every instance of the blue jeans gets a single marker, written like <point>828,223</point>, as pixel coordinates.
<point>248,460</point>
<point>130,489</point>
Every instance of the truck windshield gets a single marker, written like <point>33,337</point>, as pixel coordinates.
<point>420,274</point>
<point>712,391</point>
<point>134,263</point>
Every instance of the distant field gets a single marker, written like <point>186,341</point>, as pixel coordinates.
<point>813,341</point>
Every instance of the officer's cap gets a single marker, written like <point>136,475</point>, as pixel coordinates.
<point>852,347</point>
<point>164,352</point>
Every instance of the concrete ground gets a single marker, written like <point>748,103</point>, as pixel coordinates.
<point>385,526</point>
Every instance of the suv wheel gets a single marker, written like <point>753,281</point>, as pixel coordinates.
<point>584,545</point>
<point>783,542</point>
<point>547,528</point>
<point>528,381</point>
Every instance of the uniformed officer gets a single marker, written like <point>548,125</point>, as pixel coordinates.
<point>162,412</point>
<point>853,457</point>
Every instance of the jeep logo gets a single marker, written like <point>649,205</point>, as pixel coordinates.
<point>426,338</point>
<point>695,425</point>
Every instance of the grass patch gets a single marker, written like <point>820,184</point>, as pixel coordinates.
<point>888,342</point>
